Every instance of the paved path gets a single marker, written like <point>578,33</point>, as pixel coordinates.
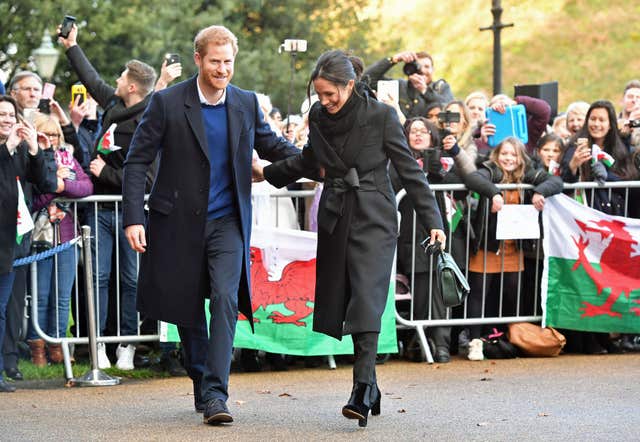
<point>571,398</point>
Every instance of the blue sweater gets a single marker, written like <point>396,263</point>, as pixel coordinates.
<point>221,196</point>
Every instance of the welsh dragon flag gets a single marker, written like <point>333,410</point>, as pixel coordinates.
<point>591,277</point>
<point>283,275</point>
<point>107,143</point>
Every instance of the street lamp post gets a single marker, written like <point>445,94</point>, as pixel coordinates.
<point>46,57</point>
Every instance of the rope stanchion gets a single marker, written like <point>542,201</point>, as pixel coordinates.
<point>94,377</point>
<point>46,254</point>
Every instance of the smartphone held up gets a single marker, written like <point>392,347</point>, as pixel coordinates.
<point>66,26</point>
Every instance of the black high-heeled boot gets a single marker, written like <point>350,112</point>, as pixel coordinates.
<point>364,397</point>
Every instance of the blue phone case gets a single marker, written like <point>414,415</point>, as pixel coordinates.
<point>513,123</point>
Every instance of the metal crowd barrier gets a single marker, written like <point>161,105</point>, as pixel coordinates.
<point>407,320</point>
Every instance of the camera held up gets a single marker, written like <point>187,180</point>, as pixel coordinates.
<point>413,67</point>
<point>446,117</point>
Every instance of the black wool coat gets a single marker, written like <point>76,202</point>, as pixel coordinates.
<point>173,280</point>
<point>39,169</point>
<point>357,217</point>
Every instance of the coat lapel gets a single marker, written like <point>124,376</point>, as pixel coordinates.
<point>235,119</point>
<point>193,113</point>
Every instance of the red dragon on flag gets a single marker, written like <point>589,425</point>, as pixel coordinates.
<point>619,265</point>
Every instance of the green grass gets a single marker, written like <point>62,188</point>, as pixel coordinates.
<point>56,371</point>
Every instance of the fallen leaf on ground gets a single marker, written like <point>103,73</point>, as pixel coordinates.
<point>402,410</point>
<point>543,414</point>
<point>264,392</point>
<point>284,395</point>
<point>239,402</point>
<point>485,379</point>
<point>482,424</point>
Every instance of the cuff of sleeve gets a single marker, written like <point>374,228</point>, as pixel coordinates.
<point>455,150</point>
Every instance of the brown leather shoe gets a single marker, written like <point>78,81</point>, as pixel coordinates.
<point>55,353</point>
<point>38,355</point>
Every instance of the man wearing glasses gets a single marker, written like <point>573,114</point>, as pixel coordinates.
<point>26,89</point>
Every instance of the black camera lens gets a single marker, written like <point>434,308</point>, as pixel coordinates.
<point>634,123</point>
<point>411,68</point>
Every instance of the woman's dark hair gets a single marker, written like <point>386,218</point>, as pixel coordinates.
<point>613,144</point>
<point>13,102</point>
<point>432,128</point>
<point>337,67</point>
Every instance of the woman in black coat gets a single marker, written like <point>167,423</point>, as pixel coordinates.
<point>352,137</point>
<point>20,161</point>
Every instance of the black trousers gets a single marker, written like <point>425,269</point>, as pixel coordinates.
<point>15,319</point>
<point>365,349</point>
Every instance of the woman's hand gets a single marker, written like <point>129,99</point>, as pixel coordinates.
<point>448,142</point>
<point>27,133</point>
<point>581,155</point>
<point>58,112</point>
<point>437,235</point>
<point>487,130</point>
<point>538,201</point>
<point>63,172</point>
<point>496,203</point>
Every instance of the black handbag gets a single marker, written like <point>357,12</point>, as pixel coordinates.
<point>452,284</point>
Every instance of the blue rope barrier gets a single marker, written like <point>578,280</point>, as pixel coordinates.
<point>46,254</point>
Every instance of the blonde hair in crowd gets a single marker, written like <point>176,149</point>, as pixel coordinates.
<point>216,34</point>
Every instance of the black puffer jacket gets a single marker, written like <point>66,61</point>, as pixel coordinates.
<point>545,184</point>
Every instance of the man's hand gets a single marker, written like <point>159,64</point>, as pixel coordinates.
<point>71,38</point>
<point>406,56</point>
<point>257,174</point>
<point>136,236</point>
<point>96,166</point>
<point>419,82</point>
<point>168,74</point>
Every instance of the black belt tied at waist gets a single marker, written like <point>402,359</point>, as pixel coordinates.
<point>336,190</point>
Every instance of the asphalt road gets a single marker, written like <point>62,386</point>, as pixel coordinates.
<point>570,398</point>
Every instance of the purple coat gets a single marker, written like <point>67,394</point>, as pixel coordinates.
<point>78,188</point>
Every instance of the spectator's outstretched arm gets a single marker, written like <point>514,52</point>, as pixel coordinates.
<point>538,114</point>
<point>377,71</point>
<point>89,77</point>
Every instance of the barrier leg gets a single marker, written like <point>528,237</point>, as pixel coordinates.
<point>95,377</point>
<point>424,344</point>
<point>332,362</point>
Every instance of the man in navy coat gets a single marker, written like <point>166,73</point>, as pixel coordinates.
<point>196,240</point>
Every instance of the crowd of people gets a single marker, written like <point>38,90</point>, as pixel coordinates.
<point>83,152</point>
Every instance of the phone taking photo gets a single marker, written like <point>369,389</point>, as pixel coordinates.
<point>66,26</point>
<point>172,58</point>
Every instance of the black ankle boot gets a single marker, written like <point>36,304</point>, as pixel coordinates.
<point>364,397</point>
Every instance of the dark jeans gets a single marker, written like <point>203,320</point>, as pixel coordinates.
<point>108,231</point>
<point>207,360</point>
<point>6,284</point>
